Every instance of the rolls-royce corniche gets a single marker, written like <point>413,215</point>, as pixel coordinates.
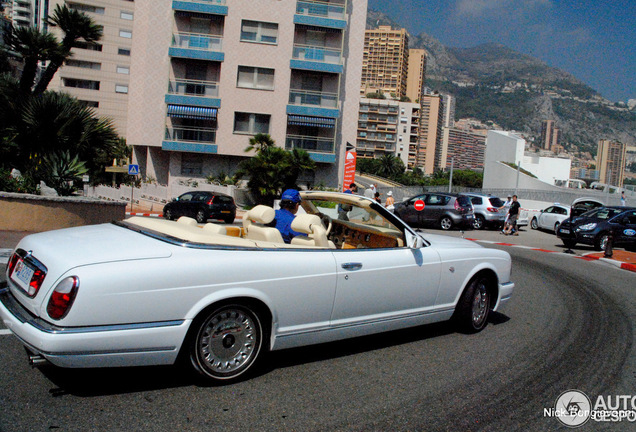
<point>149,291</point>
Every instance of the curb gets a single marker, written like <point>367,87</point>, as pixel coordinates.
<point>587,257</point>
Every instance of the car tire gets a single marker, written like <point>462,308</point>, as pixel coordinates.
<point>200,217</point>
<point>600,243</point>
<point>230,219</point>
<point>556,227</point>
<point>226,343</point>
<point>167,214</point>
<point>479,222</point>
<point>568,243</point>
<point>534,224</point>
<point>445,223</point>
<point>471,314</point>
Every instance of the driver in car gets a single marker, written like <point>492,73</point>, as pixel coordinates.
<point>290,201</point>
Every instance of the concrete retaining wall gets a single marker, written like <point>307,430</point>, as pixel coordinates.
<point>35,213</point>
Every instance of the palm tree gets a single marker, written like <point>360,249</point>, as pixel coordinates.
<point>34,46</point>
<point>390,166</point>
<point>260,142</point>
<point>75,26</point>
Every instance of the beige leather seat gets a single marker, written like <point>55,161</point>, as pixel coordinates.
<point>312,226</point>
<point>261,215</point>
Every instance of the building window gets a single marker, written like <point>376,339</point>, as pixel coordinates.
<point>123,70</point>
<point>88,46</point>
<point>126,15</point>
<point>83,64</point>
<point>120,88</point>
<point>125,34</point>
<point>250,123</point>
<point>80,83</point>
<point>80,7</point>
<point>88,103</point>
<point>262,32</point>
<point>123,51</point>
<point>256,78</point>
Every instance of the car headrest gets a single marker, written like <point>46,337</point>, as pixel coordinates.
<point>303,223</point>
<point>187,221</point>
<point>261,214</point>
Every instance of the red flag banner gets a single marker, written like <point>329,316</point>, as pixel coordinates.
<point>349,169</point>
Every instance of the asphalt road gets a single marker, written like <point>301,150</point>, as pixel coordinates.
<point>569,325</point>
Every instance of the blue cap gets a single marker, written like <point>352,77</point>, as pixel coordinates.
<point>291,195</point>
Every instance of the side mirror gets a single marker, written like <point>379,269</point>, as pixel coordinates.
<point>413,241</point>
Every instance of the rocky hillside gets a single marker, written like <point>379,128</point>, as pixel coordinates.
<point>495,83</point>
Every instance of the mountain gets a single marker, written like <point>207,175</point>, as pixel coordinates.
<point>494,83</point>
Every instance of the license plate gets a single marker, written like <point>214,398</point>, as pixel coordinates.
<point>564,231</point>
<point>22,274</point>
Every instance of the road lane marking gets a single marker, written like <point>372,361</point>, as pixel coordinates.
<point>5,332</point>
<point>4,255</point>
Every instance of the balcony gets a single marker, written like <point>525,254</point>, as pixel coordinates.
<point>194,93</point>
<point>190,139</point>
<point>197,46</point>
<point>313,98</point>
<point>321,14</point>
<point>213,7</point>
<point>316,58</point>
<point>319,149</point>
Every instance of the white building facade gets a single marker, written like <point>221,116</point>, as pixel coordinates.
<point>503,148</point>
<point>207,76</point>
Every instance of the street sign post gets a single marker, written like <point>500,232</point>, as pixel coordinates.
<point>133,170</point>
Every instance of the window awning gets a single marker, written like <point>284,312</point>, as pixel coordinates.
<point>298,120</point>
<point>190,112</point>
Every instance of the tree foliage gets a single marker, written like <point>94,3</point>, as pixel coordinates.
<point>272,169</point>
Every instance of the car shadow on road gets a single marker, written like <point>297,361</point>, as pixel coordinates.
<point>110,381</point>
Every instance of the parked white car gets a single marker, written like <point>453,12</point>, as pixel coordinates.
<point>150,291</point>
<point>551,217</point>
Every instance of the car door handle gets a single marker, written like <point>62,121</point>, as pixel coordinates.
<point>352,266</point>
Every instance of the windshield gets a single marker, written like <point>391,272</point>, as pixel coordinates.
<point>355,225</point>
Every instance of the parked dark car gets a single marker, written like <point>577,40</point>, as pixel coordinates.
<point>593,228</point>
<point>201,206</point>
<point>442,210</point>
<point>487,211</point>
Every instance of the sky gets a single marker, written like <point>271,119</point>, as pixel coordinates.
<point>594,40</point>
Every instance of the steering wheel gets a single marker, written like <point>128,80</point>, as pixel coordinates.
<point>326,221</point>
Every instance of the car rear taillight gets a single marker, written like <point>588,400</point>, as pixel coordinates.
<point>210,201</point>
<point>63,297</point>
<point>12,262</point>
<point>36,282</point>
<point>492,209</point>
<point>457,206</point>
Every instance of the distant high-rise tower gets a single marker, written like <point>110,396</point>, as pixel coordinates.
<point>416,75</point>
<point>432,122</point>
<point>610,159</point>
<point>550,135</point>
<point>385,61</point>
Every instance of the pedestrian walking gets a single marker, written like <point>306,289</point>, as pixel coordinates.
<point>513,215</point>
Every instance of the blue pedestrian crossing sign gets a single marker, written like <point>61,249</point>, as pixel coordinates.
<point>133,169</point>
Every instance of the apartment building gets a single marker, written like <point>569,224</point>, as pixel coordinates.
<point>431,134</point>
<point>610,162</point>
<point>388,127</point>
<point>550,135</point>
<point>26,13</point>
<point>416,74</point>
<point>98,74</point>
<point>385,62</point>
<point>207,76</point>
<point>466,149</point>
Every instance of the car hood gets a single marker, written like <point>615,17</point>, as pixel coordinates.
<point>73,247</point>
<point>447,242</point>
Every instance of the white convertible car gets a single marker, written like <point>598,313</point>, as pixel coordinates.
<point>151,292</point>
